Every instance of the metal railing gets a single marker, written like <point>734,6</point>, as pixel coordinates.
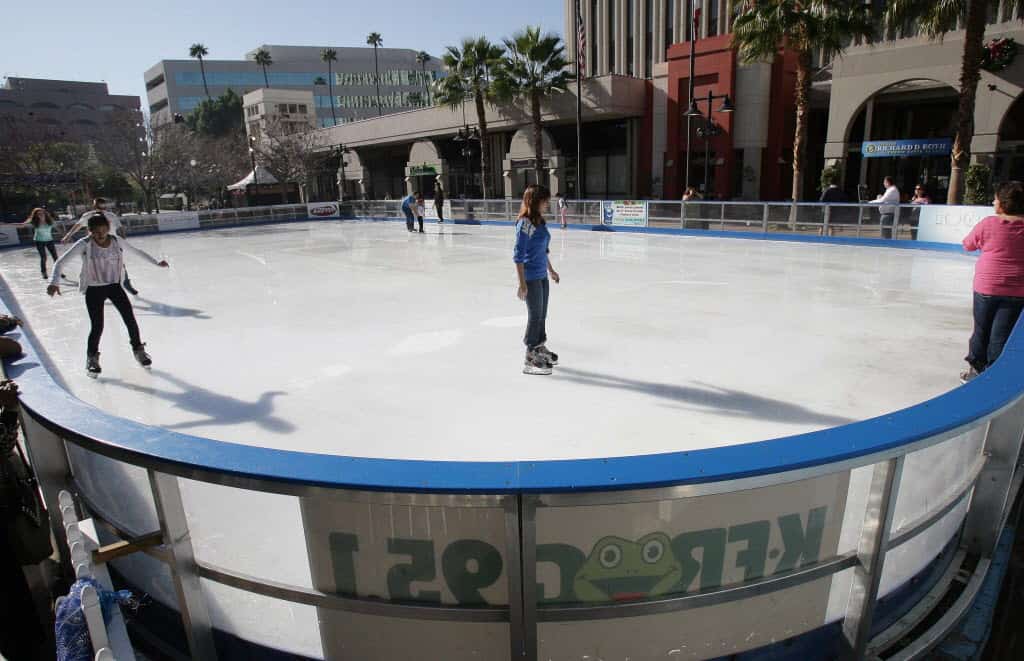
<point>984,421</point>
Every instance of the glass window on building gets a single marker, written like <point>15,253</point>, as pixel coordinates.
<point>293,108</point>
<point>303,109</point>
<point>629,37</point>
<point>712,18</point>
<point>649,43</point>
<point>670,22</point>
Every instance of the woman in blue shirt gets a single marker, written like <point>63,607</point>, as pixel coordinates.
<point>42,221</point>
<point>533,266</point>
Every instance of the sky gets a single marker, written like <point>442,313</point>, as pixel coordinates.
<point>115,41</point>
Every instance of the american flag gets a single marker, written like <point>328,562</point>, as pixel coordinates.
<point>581,42</point>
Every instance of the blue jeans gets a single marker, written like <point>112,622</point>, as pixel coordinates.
<point>409,218</point>
<point>537,305</point>
<point>994,319</point>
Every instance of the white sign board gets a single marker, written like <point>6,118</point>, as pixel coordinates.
<point>430,212</point>
<point>949,224</point>
<point>625,212</point>
<point>170,221</point>
<point>9,235</point>
<point>322,210</point>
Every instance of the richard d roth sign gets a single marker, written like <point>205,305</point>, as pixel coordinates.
<point>898,148</point>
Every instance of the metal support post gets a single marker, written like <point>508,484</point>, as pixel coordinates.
<point>195,616</point>
<point>990,501</point>
<point>764,219</point>
<point>49,459</point>
<point>874,537</point>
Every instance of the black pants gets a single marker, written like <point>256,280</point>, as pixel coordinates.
<point>95,297</point>
<point>43,247</point>
<point>537,305</point>
<point>409,218</point>
<point>440,210</point>
<point>994,319</point>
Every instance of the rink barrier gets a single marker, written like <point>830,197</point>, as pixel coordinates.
<point>990,408</point>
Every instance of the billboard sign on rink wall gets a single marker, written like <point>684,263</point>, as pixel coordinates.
<point>170,221</point>
<point>9,235</point>
<point>940,223</point>
<point>600,554</point>
<point>625,212</point>
<point>322,210</point>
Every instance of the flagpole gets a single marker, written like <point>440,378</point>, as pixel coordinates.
<point>579,104</point>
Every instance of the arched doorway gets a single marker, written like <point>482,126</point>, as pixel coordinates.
<point>908,110</point>
<point>1009,162</point>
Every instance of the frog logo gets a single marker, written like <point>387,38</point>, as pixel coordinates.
<point>622,570</point>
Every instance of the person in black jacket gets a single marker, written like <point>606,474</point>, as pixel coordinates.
<point>439,201</point>
<point>833,195</point>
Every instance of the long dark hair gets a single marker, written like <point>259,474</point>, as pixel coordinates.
<point>34,217</point>
<point>533,196</point>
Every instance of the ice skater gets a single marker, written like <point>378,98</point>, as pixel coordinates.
<point>563,211</point>
<point>420,210</point>
<point>102,255</point>
<point>42,222</point>
<point>408,202</point>
<point>533,264</point>
<point>116,227</point>
<point>998,277</point>
<point>439,201</point>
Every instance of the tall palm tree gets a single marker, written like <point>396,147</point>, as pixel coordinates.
<point>264,59</point>
<point>470,71</point>
<point>936,19</point>
<point>534,67</point>
<point>763,27</point>
<point>374,39</point>
<point>329,55</point>
<point>199,51</point>
<point>422,58</point>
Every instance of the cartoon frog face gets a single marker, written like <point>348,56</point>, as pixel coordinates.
<point>621,570</point>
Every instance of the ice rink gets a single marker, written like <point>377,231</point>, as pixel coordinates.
<point>358,338</point>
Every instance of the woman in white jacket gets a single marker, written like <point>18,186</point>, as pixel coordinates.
<point>102,265</point>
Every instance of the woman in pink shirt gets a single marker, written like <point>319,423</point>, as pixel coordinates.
<point>998,277</point>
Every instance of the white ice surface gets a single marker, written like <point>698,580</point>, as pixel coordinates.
<point>361,339</point>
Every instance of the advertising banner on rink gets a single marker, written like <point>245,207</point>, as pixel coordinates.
<point>940,223</point>
<point>9,235</point>
<point>173,221</point>
<point>323,210</point>
<point>625,212</point>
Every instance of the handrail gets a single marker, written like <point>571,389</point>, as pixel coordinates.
<point>286,471</point>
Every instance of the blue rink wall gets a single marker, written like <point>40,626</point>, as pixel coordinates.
<point>540,567</point>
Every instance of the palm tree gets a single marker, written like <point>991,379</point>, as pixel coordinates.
<point>199,51</point>
<point>763,27</point>
<point>264,59</point>
<point>329,55</point>
<point>375,40</point>
<point>422,58</point>
<point>936,19</point>
<point>533,68</point>
<point>469,76</point>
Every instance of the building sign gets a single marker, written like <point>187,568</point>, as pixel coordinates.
<point>9,235</point>
<point>422,171</point>
<point>625,212</point>
<point>321,210</point>
<point>173,221</point>
<point>899,148</point>
<point>940,223</point>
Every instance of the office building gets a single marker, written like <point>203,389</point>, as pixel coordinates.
<point>64,110</point>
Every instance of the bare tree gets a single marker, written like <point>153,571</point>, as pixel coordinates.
<point>289,153</point>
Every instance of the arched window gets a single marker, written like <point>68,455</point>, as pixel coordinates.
<point>9,102</point>
<point>45,104</point>
<point>80,106</point>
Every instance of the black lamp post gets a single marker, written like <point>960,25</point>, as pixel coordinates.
<point>252,160</point>
<point>467,135</point>
<point>342,150</point>
<point>707,131</point>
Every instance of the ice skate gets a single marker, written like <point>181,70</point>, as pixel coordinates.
<point>92,365</point>
<point>142,356</point>
<point>536,364</point>
<point>546,353</point>
<point>968,375</point>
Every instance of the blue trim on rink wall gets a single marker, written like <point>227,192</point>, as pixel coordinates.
<point>996,388</point>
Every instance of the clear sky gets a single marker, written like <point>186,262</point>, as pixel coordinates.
<point>117,40</point>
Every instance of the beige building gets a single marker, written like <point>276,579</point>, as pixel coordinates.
<point>292,110</point>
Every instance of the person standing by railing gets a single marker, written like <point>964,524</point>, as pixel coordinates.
<point>42,222</point>
<point>888,204</point>
<point>998,277</point>
<point>533,265</point>
<point>563,210</point>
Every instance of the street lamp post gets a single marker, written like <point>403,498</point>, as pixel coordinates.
<point>467,135</point>
<point>694,25</point>
<point>707,131</point>
<point>342,150</point>
<point>192,183</point>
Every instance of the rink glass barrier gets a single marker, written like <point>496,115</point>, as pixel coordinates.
<point>694,554</point>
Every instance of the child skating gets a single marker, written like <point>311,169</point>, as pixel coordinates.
<point>533,266</point>
<point>420,210</point>
<point>102,256</point>
<point>42,222</point>
<point>117,228</point>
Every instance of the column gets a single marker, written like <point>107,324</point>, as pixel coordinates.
<point>602,37</point>
<point>869,115</point>
<point>658,33</point>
